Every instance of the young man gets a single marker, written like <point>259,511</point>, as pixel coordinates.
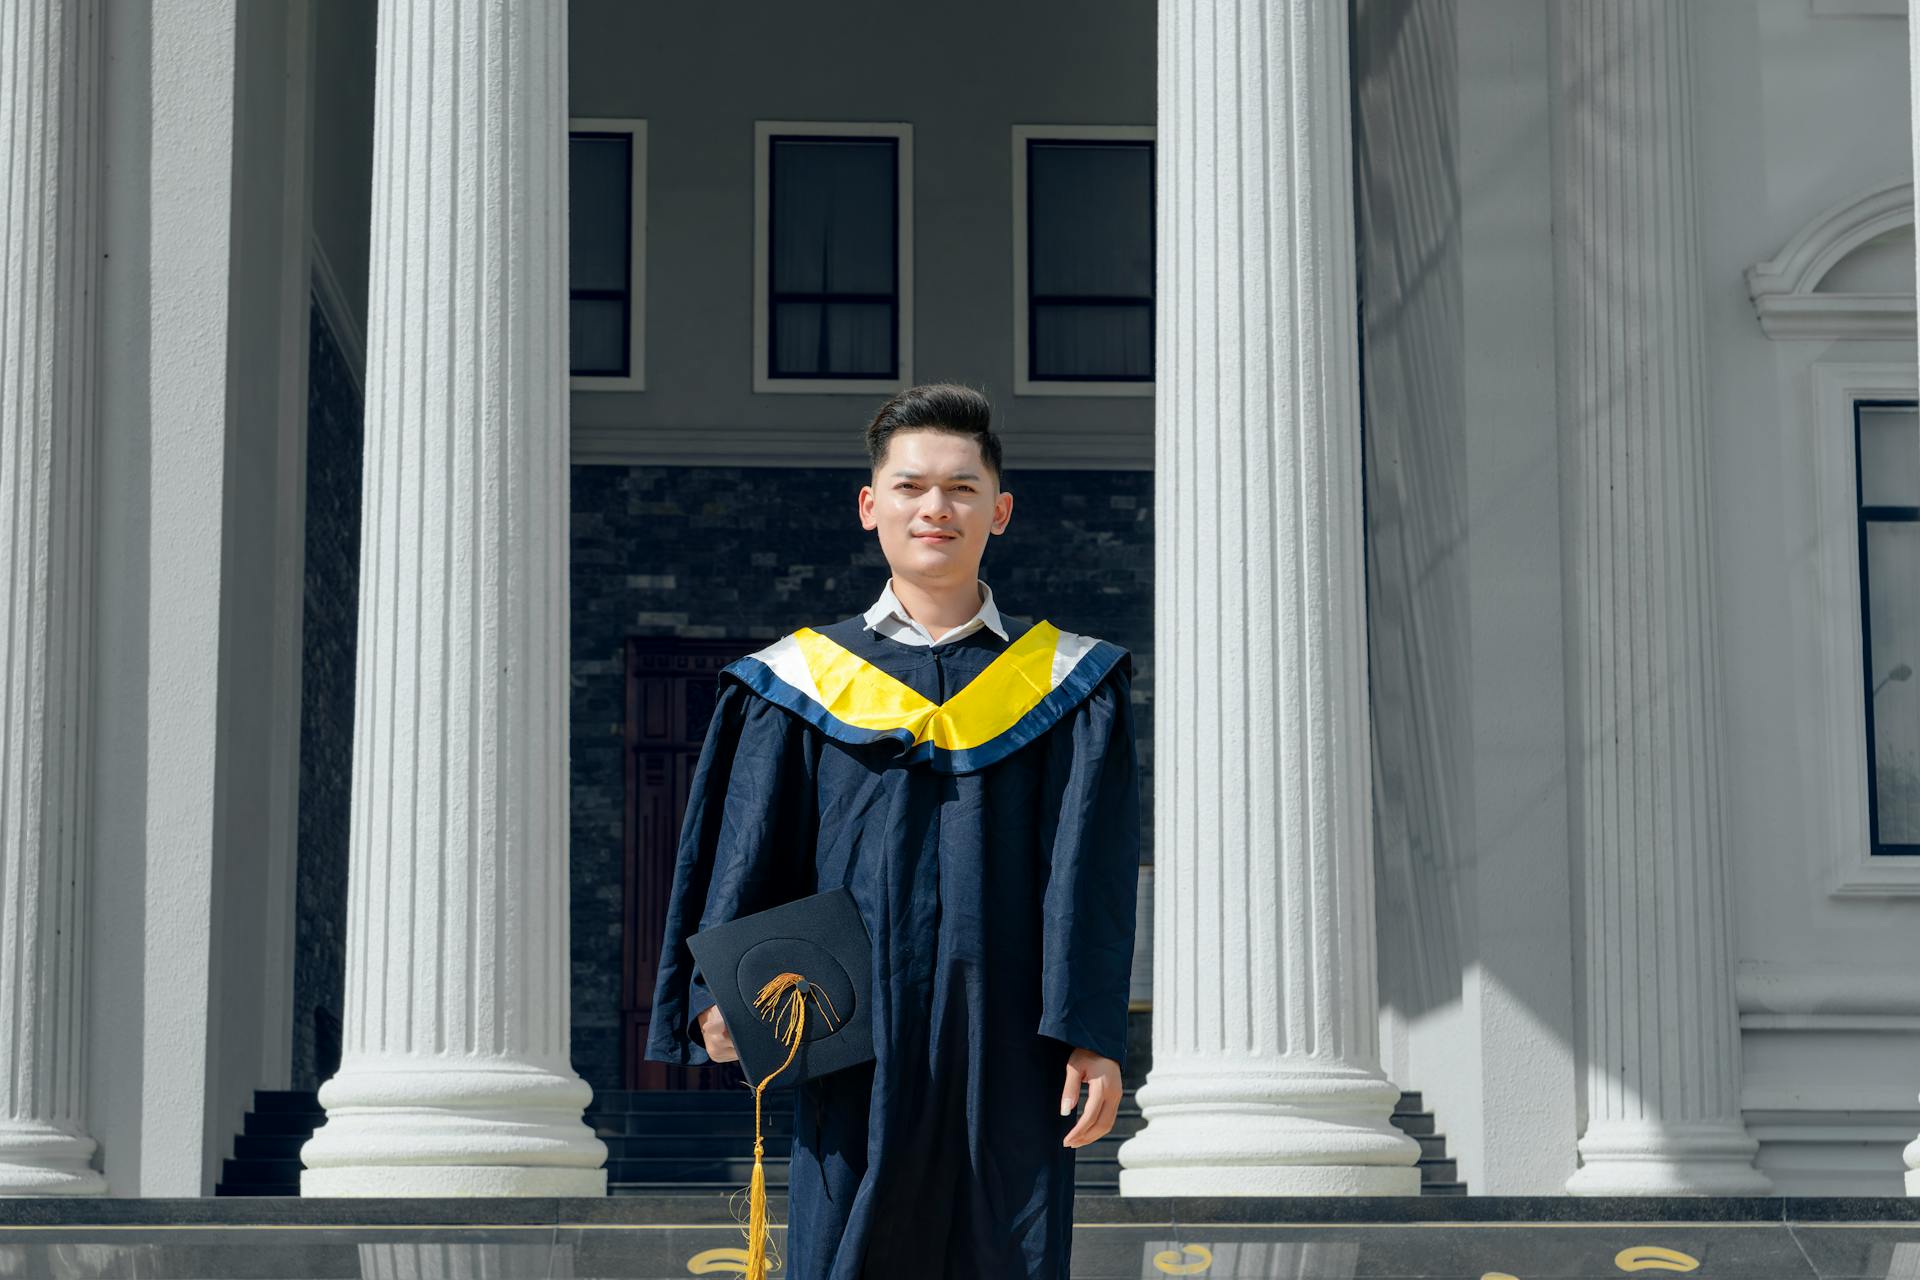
<point>970,776</point>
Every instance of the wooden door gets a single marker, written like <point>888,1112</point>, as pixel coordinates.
<point>670,695</point>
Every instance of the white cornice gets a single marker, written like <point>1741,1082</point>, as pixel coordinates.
<point>1826,991</point>
<point>1783,287</point>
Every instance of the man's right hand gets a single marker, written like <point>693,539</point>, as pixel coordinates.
<point>713,1029</point>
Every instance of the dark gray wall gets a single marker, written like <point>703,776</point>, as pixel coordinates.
<point>331,622</point>
<point>963,76</point>
<point>679,551</point>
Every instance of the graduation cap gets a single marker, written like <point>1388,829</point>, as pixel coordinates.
<point>802,970</point>
<point>794,983</point>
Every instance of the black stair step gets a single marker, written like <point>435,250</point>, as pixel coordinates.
<point>1411,1101</point>
<point>1444,1189</point>
<point>268,1146</point>
<point>1413,1123</point>
<point>716,1170</point>
<point>1431,1144</point>
<point>776,1196</point>
<point>690,1146</point>
<point>1432,1171</point>
<point>274,1189</point>
<point>689,1126</point>
<point>283,1122</point>
<point>286,1100</point>
<point>778,1142</point>
<point>622,1102</point>
<point>1090,1162</point>
<point>259,1171</point>
<point>675,1100</point>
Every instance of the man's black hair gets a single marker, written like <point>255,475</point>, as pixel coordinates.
<point>943,406</point>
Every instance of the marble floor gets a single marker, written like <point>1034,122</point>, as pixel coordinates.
<point>662,1237</point>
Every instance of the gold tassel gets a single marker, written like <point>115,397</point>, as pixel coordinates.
<point>783,997</point>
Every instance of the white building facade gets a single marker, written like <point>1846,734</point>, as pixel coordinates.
<point>1525,394</point>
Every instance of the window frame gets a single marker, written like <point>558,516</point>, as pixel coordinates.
<point>1865,516</point>
<point>764,131</point>
<point>1840,822</point>
<point>636,131</point>
<point>1024,384</point>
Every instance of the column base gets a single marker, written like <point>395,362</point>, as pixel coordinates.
<point>415,1127</point>
<point>1912,1153</point>
<point>1284,1131</point>
<point>452,1180</point>
<point>43,1159</point>
<point>1270,1180</point>
<point>1642,1159</point>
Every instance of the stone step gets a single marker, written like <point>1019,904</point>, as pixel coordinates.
<point>269,1146</point>
<point>286,1100</point>
<point>1089,1163</point>
<point>276,1189</point>
<point>693,1147</point>
<point>282,1122</point>
<point>694,1125</point>
<point>259,1172</point>
<point>1413,1123</point>
<point>691,1142</point>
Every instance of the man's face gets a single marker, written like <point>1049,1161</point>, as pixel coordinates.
<point>934,482</point>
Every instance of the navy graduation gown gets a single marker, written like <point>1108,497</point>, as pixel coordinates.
<point>991,844</point>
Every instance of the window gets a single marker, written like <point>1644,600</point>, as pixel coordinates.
<point>1887,489</point>
<point>606,258</point>
<point>1083,237</point>
<point>832,254</point>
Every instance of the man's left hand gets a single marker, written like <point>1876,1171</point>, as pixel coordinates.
<point>1102,1078</point>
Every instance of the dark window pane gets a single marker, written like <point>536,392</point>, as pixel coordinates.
<point>597,338</point>
<point>598,218</point>
<point>1889,456</point>
<point>1893,589</point>
<point>1077,341</point>
<point>832,208</point>
<point>832,339</point>
<point>1090,210</point>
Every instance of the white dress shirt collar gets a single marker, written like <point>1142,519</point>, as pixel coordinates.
<point>888,617</point>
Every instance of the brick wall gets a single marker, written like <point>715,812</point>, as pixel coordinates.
<point>732,552</point>
<point>751,553</point>
<point>331,621</point>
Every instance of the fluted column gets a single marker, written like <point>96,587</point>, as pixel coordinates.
<point>1266,1076</point>
<point>1663,1039</point>
<point>455,1078</point>
<point>1912,1152</point>
<point>49,205</point>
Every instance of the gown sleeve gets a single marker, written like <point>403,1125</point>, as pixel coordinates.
<point>1094,871</point>
<point>746,844</point>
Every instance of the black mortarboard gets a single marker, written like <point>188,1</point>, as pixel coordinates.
<point>762,968</point>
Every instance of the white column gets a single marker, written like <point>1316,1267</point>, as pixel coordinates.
<point>1912,1153</point>
<point>1266,1075</point>
<point>1663,1038</point>
<point>49,180</point>
<point>455,1077</point>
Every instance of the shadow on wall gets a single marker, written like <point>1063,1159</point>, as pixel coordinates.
<point>1414,414</point>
